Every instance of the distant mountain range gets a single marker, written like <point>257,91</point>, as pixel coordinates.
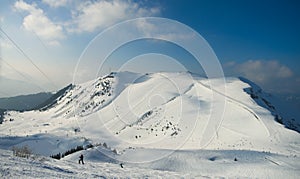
<point>24,102</point>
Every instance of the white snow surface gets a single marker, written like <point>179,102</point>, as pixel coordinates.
<point>157,125</point>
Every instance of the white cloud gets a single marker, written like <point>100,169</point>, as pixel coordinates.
<point>39,23</point>
<point>164,29</point>
<point>90,16</point>
<point>56,3</point>
<point>264,71</point>
<point>146,27</point>
<point>87,16</point>
<point>271,75</point>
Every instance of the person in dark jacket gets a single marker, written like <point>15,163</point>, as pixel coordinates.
<point>81,159</point>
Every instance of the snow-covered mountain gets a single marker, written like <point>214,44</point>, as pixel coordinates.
<point>145,117</point>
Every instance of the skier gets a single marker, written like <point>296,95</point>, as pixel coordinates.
<point>81,159</point>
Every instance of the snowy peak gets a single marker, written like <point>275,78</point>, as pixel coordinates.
<point>138,98</point>
<point>84,99</point>
<point>87,98</point>
<point>159,110</point>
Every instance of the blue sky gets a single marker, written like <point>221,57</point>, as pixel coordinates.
<point>255,39</point>
<point>243,30</point>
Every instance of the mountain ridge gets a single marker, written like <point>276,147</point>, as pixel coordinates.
<point>156,110</point>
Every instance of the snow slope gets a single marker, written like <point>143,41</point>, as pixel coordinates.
<point>42,167</point>
<point>187,164</point>
<point>146,117</point>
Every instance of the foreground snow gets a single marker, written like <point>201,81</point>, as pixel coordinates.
<point>43,167</point>
<point>189,164</point>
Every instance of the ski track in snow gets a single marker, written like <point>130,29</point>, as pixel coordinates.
<point>240,104</point>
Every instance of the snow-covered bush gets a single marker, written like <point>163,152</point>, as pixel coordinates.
<point>23,151</point>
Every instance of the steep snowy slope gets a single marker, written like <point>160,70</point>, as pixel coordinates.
<point>161,112</point>
<point>283,112</point>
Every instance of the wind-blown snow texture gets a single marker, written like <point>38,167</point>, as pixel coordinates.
<point>144,118</point>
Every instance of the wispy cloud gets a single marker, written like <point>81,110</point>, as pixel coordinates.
<point>56,3</point>
<point>164,29</point>
<point>271,75</point>
<point>37,22</point>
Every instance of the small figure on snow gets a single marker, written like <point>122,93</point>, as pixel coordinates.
<point>121,164</point>
<point>81,159</point>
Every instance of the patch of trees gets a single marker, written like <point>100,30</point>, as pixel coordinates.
<point>72,150</point>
